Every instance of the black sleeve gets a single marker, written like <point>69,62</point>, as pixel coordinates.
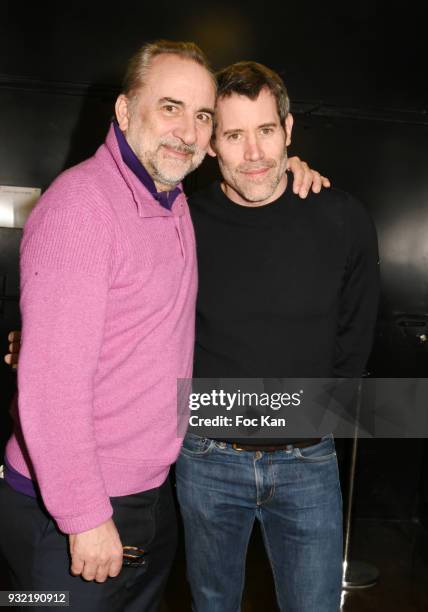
<point>359,294</point>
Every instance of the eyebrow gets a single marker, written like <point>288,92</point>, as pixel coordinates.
<point>172,101</point>
<point>240,131</point>
<point>236,131</point>
<point>208,110</point>
<point>271,124</point>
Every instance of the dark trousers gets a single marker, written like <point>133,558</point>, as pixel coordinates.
<point>38,558</point>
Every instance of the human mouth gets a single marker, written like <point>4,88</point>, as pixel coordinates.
<point>177,150</point>
<point>258,172</point>
<point>174,152</point>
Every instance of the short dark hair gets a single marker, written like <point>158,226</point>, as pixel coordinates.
<point>248,79</point>
<point>141,61</point>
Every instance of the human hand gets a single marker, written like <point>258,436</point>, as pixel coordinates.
<point>97,553</point>
<point>12,358</point>
<point>304,178</point>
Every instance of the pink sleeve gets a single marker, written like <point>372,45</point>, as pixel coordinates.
<point>64,281</point>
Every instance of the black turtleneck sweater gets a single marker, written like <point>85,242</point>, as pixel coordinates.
<point>289,289</point>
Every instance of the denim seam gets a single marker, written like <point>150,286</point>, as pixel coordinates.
<point>199,453</point>
<point>269,553</point>
<point>256,479</point>
<point>244,567</point>
<point>313,459</point>
<point>272,488</point>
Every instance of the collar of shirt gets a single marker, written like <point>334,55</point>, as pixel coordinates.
<point>165,198</point>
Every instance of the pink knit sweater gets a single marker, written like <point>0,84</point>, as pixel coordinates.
<point>108,289</point>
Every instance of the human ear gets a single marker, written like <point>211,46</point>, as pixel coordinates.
<point>122,112</point>
<point>288,126</point>
<point>211,148</point>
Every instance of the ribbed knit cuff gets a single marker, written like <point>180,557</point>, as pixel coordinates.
<point>93,518</point>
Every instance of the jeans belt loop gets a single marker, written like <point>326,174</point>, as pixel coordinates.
<point>272,448</point>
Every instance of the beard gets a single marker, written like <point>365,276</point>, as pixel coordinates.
<point>255,189</point>
<point>167,170</point>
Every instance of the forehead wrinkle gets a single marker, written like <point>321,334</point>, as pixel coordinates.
<point>180,77</point>
<point>171,100</point>
<point>204,109</point>
<point>237,99</point>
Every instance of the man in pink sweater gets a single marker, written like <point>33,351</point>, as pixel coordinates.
<point>108,288</point>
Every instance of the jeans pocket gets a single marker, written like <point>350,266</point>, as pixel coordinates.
<point>196,446</point>
<point>323,451</point>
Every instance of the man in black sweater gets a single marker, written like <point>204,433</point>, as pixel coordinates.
<point>286,289</point>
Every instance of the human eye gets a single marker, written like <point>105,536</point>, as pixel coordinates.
<point>204,118</point>
<point>233,137</point>
<point>266,131</point>
<point>170,109</point>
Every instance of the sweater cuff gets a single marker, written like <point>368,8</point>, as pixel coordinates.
<point>93,518</point>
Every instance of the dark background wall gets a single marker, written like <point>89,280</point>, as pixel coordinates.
<point>356,76</point>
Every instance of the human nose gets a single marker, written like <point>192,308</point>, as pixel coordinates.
<point>186,130</point>
<point>253,150</point>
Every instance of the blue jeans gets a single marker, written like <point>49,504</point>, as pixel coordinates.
<point>294,493</point>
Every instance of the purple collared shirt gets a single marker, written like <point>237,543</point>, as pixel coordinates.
<point>165,198</point>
